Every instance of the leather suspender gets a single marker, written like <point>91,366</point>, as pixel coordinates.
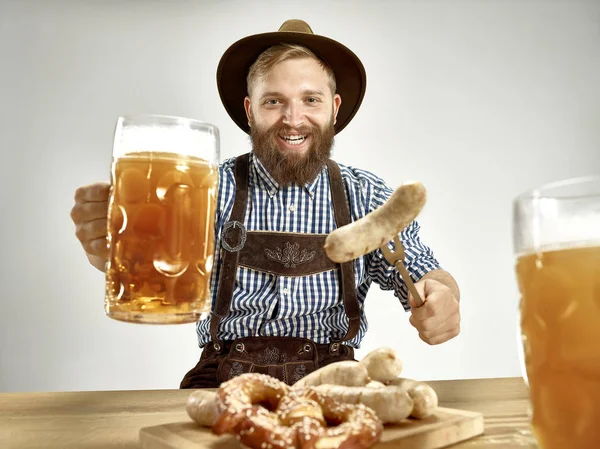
<point>234,236</point>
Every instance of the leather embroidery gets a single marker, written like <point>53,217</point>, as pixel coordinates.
<point>299,372</point>
<point>236,369</point>
<point>290,256</point>
<point>273,357</point>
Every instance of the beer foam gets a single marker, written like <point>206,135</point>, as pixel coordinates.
<point>568,232</point>
<point>181,140</point>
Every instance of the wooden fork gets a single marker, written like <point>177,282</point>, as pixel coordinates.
<point>396,258</point>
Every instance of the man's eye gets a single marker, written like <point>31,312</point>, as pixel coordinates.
<point>271,101</point>
<point>312,100</point>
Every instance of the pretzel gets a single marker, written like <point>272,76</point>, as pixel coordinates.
<point>246,396</point>
<point>353,425</point>
<point>266,413</point>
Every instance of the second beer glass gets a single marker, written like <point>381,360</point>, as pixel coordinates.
<point>557,246</point>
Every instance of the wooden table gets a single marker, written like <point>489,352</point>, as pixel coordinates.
<point>112,419</point>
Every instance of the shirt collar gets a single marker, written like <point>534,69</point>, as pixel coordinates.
<point>264,178</point>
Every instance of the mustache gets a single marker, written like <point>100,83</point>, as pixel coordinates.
<point>304,130</point>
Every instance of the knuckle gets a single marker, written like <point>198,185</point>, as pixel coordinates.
<point>426,326</point>
<point>81,232</point>
<point>98,246</point>
<point>87,211</point>
<point>75,214</point>
<point>88,247</point>
<point>101,190</point>
<point>79,193</point>
<point>96,190</point>
<point>457,321</point>
<point>100,227</point>
<point>426,339</point>
<point>428,335</point>
<point>81,211</point>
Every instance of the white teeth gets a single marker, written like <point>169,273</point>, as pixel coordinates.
<point>294,140</point>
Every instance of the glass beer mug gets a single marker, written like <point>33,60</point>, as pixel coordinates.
<point>161,219</point>
<point>557,246</point>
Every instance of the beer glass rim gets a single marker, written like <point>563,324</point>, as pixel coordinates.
<point>562,189</point>
<point>161,119</point>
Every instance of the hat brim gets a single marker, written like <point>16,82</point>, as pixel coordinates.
<point>351,78</point>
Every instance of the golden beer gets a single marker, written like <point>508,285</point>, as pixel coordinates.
<point>560,328</point>
<point>161,237</point>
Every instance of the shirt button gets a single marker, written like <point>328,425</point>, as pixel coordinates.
<point>285,291</point>
<point>292,207</point>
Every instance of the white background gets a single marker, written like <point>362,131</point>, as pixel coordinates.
<point>479,100</point>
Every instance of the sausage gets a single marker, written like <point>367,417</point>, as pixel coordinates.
<point>392,405</point>
<point>424,397</point>
<point>201,406</point>
<point>383,364</point>
<point>380,226</point>
<point>345,372</point>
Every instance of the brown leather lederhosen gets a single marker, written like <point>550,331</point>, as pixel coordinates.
<point>285,254</point>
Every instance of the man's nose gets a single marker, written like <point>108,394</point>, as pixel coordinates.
<point>293,115</point>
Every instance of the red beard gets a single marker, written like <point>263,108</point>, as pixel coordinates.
<point>288,167</point>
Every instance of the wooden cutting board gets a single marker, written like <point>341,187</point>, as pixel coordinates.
<point>448,426</point>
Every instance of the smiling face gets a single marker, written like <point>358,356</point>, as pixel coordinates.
<point>292,111</point>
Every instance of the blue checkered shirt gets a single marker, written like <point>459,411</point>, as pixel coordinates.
<point>309,306</point>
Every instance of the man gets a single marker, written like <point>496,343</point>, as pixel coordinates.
<point>288,309</point>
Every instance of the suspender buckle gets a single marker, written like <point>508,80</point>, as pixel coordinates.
<point>229,225</point>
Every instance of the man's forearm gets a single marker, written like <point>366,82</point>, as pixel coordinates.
<point>445,278</point>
